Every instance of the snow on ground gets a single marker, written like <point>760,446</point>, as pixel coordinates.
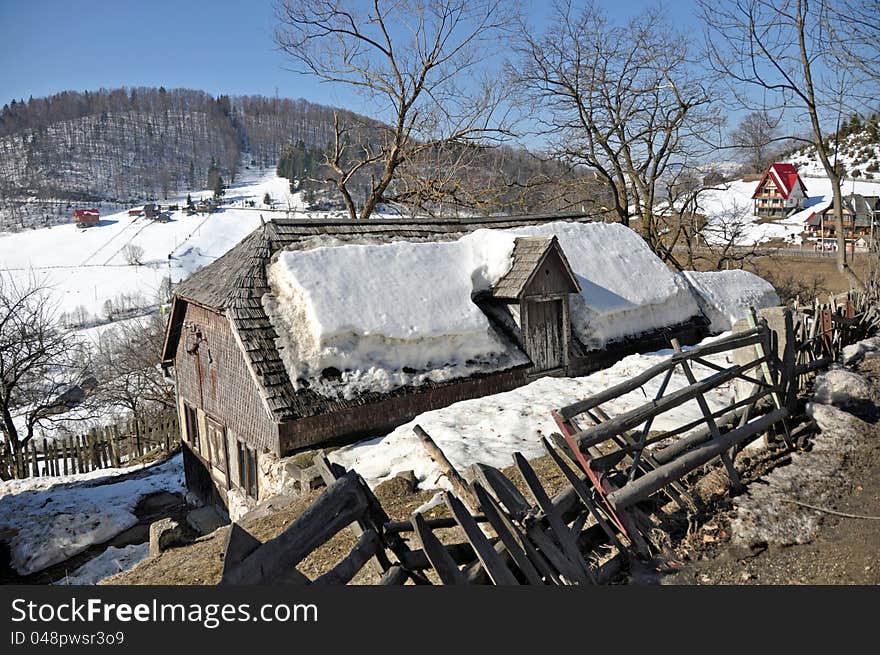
<point>725,296</point>
<point>625,289</point>
<point>766,515</point>
<point>86,267</point>
<point>382,325</point>
<point>490,429</point>
<point>111,561</point>
<point>729,211</point>
<point>52,519</point>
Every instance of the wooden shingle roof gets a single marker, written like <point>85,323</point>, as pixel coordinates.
<point>236,282</point>
<point>528,254</point>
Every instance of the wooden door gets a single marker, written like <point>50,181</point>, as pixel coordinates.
<point>545,339</point>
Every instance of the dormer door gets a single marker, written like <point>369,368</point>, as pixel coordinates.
<point>545,340</point>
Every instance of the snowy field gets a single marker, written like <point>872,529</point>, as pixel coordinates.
<point>490,429</point>
<point>52,519</point>
<point>87,267</point>
<point>730,211</point>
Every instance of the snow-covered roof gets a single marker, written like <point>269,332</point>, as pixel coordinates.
<point>725,296</point>
<point>389,315</point>
<point>625,289</point>
<point>374,346</point>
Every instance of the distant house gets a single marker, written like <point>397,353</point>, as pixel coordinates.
<point>780,191</point>
<point>206,206</point>
<point>152,210</point>
<point>86,217</point>
<point>860,215</point>
<point>135,211</point>
<point>236,330</point>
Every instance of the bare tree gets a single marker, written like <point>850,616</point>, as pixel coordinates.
<point>724,240</point>
<point>622,100</point>
<point>133,254</point>
<point>128,364</point>
<point>418,61</point>
<point>754,138</point>
<point>41,367</point>
<point>784,56</point>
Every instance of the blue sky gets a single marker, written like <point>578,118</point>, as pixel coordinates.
<point>219,46</point>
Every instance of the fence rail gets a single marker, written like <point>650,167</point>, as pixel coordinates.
<point>100,448</point>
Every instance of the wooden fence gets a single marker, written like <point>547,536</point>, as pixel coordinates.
<point>619,473</point>
<point>100,448</point>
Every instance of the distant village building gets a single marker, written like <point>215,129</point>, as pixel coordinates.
<point>780,191</point>
<point>152,210</point>
<point>860,215</point>
<point>228,346</point>
<point>86,217</point>
<point>136,211</point>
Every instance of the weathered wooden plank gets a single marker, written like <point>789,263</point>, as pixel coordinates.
<point>489,558</point>
<point>503,489</point>
<point>346,569</point>
<point>340,504</point>
<point>459,484</point>
<point>738,340</point>
<point>563,535</point>
<point>508,534</point>
<point>446,568</point>
<point>583,493</point>
<point>396,575</point>
<point>461,553</point>
<point>635,417</point>
<point>239,544</point>
<point>732,475</point>
<point>441,522</point>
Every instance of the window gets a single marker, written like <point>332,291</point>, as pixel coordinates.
<point>216,438</point>
<point>247,469</point>
<point>192,425</point>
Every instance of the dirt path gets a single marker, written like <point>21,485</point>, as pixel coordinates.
<point>839,551</point>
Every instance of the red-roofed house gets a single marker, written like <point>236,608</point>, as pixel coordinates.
<point>780,191</point>
<point>86,217</point>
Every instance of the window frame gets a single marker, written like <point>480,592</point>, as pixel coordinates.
<point>248,478</point>
<point>191,419</point>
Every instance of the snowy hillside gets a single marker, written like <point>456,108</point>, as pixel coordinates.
<point>859,152</point>
<point>86,268</point>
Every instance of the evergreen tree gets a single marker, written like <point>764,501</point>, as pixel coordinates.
<point>219,189</point>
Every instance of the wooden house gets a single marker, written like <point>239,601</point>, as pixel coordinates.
<point>239,407</point>
<point>152,210</point>
<point>136,211</point>
<point>86,217</point>
<point>780,191</point>
<point>860,214</point>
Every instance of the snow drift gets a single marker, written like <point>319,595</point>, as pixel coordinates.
<point>725,296</point>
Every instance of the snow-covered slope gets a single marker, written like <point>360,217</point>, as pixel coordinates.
<point>725,296</point>
<point>859,154</point>
<point>52,519</point>
<point>85,268</point>
<point>389,315</point>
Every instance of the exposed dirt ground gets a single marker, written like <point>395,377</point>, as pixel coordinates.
<point>842,550</point>
<point>202,562</point>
